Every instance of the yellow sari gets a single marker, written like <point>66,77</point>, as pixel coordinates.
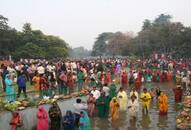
<point>122,98</point>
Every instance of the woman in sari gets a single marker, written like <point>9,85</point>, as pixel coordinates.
<point>44,86</point>
<point>36,80</point>
<point>70,82</point>
<point>178,92</point>
<point>163,103</point>
<point>42,119</point>
<point>122,98</point>
<point>9,89</point>
<point>68,121</point>
<point>91,104</point>
<point>112,90</point>
<point>169,76</point>
<point>55,117</point>
<point>84,121</point>
<point>138,84</point>
<point>114,109</point>
<point>102,103</point>
<point>124,80</point>
<point>16,121</point>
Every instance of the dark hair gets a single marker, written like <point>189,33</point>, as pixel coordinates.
<point>78,100</point>
<point>144,89</point>
<point>81,112</point>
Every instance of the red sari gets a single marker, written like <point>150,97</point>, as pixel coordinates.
<point>124,78</point>
<point>169,76</point>
<point>138,84</point>
<point>108,78</point>
<point>42,119</point>
<point>177,94</point>
<point>15,121</point>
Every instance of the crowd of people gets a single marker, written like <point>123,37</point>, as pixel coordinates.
<point>108,80</point>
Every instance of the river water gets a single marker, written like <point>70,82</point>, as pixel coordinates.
<point>151,121</point>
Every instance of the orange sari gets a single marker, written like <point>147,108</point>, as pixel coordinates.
<point>163,104</point>
<point>114,109</point>
<point>36,80</point>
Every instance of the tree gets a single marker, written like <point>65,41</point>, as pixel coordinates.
<point>117,43</point>
<point>3,23</point>
<point>146,24</point>
<point>99,47</point>
<point>163,19</point>
<point>29,43</point>
<point>8,37</point>
<point>29,50</point>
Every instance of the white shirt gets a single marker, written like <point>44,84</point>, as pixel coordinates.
<point>41,70</point>
<point>96,94</point>
<point>134,107</point>
<point>135,75</point>
<point>136,94</point>
<point>106,90</point>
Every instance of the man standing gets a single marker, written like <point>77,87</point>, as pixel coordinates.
<point>81,79</point>
<point>95,92</point>
<point>21,82</point>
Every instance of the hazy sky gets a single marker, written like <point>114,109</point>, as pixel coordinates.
<point>79,22</point>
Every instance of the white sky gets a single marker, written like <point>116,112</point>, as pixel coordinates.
<point>79,22</point>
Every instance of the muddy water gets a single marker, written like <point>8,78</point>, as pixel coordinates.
<point>151,121</point>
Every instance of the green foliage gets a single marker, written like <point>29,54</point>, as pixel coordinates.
<point>159,36</point>
<point>29,43</point>
<point>30,50</point>
<point>100,45</point>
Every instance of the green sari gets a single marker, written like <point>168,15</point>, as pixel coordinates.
<point>103,109</point>
<point>112,91</point>
<point>85,122</point>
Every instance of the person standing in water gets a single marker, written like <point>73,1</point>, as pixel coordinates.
<point>84,121</point>
<point>133,107</point>
<point>91,104</point>
<point>102,104</point>
<point>68,121</point>
<point>55,117</point>
<point>163,104</point>
<point>145,98</point>
<point>114,109</point>
<point>122,98</point>
<point>42,119</point>
<point>16,121</point>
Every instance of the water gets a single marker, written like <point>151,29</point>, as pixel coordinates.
<point>151,121</point>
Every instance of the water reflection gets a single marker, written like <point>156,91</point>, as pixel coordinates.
<point>162,122</point>
<point>132,124</point>
<point>145,121</point>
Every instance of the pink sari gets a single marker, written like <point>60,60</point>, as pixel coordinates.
<point>42,119</point>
